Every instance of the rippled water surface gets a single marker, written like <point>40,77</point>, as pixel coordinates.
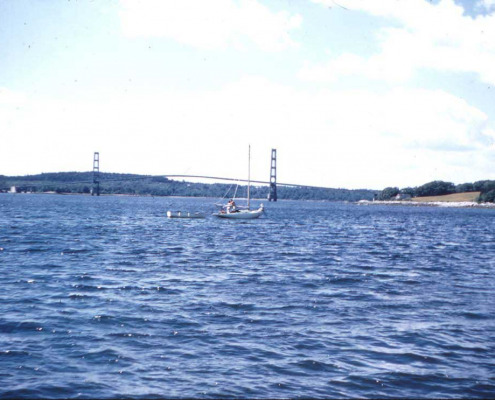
<point>106,297</point>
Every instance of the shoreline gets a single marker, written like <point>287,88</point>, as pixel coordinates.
<point>451,204</point>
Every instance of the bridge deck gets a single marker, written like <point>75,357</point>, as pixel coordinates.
<point>241,180</point>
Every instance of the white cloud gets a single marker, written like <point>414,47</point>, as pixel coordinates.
<point>330,138</point>
<point>437,36</point>
<point>213,24</point>
<point>11,104</point>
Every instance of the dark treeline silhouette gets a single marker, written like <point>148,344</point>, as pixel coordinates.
<point>113,183</point>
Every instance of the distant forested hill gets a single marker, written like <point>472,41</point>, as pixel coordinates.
<point>486,188</point>
<point>111,183</point>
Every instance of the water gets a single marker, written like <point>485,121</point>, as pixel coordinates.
<point>105,297</point>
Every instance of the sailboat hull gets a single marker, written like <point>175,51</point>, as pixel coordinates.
<point>242,214</point>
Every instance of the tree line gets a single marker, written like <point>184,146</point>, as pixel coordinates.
<point>439,188</point>
<point>131,184</point>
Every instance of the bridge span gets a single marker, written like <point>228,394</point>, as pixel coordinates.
<point>272,196</point>
<point>241,180</point>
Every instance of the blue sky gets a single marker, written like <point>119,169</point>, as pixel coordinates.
<point>352,93</point>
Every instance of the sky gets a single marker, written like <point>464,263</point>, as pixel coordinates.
<point>351,93</point>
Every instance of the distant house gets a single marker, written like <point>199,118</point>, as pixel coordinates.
<point>403,196</point>
<point>13,189</point>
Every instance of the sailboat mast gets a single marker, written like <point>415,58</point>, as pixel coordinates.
<point>249,177</point>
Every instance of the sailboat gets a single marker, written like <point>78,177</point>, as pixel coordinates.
<point>232,212</point>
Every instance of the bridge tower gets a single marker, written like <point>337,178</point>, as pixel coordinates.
<point>272,196</point>
<point>96,175</point>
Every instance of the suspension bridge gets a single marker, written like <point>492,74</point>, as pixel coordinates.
<point>272,183</point>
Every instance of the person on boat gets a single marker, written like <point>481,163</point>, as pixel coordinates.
<point>231,206</point>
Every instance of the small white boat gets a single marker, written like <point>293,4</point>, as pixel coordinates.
<point>184,214</point>
<point>231,211</point>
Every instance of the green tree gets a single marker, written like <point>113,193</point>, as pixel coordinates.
<point>488,197</point>
<point>435,188</point>
<point>464,187</point>
<point>408,190</point>
<point>388,193</point>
